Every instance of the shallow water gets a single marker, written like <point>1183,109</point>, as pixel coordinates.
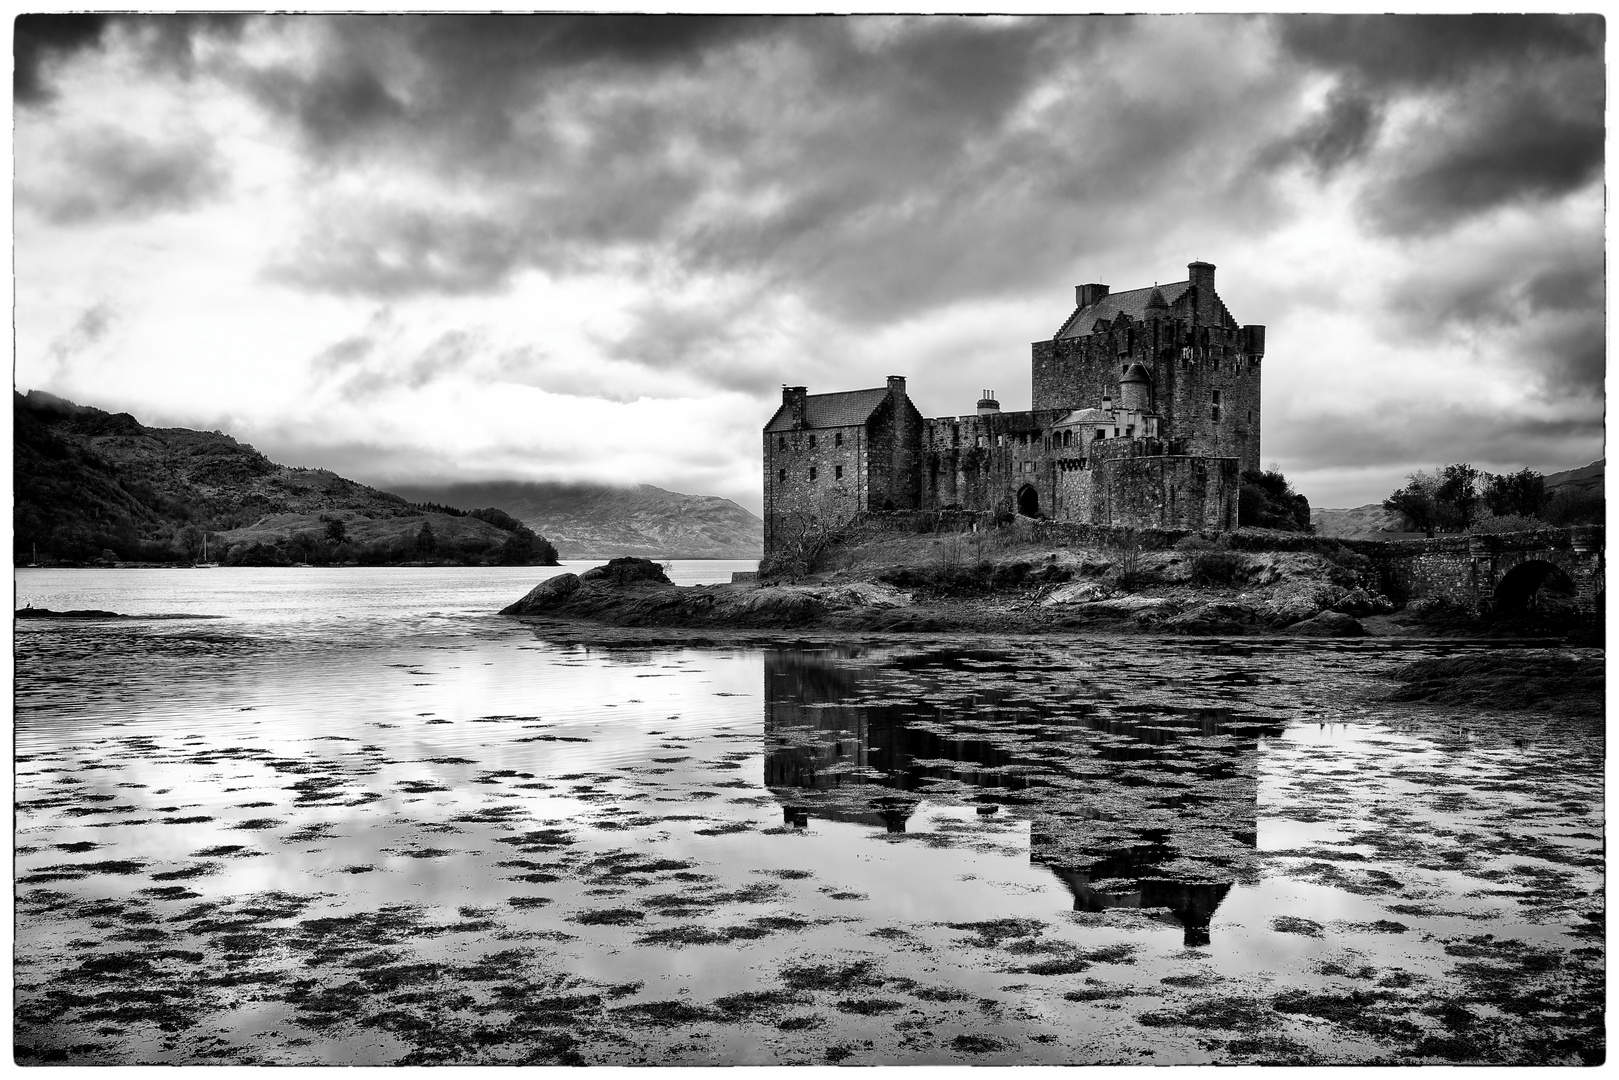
<point>361,819</point>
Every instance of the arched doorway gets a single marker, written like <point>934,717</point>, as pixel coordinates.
<point>1028,501</point>
<point>1533,586</point>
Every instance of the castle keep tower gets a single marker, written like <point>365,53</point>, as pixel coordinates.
<point>1203,368</point>
<point>1146,411</point>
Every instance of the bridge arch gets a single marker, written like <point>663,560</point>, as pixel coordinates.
<point>1524,587</point>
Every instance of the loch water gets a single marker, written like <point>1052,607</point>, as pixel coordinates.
<point>356,817</point>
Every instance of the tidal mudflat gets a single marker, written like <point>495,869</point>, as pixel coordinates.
<point>252,842</point>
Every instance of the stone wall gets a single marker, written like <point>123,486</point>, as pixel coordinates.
<point>796,503</point>
<point>1134,487</point>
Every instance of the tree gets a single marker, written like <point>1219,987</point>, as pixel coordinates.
<point>1457,494</point>
<point>524,547</point>
<point>1267,501</point>
<point>1415,504</point>
<point>191,539</point>
<point>1519,494</point>
<point>426,540</point>
<point>336,531</point>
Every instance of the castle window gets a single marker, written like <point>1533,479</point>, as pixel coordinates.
<point>1250,416</point>
<point>1068,438</point>
<point>837,472</point>
<point>781,476</point>
<point>782,443</point>
<point>1129,431</point>
<point>837,439</point>
<point>1101,433</point>
<point>812,446</point>
<point>812,473</point>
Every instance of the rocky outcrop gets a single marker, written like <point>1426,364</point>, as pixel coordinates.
<point>635,592</point>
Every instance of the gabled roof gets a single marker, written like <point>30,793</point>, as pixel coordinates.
<point>843,409</point>
<point>1087,416</point>
<point>1132,301</point>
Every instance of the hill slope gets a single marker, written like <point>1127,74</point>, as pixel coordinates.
<point>96,486</point>
<point>599,521</point>
<point>1585,479</point>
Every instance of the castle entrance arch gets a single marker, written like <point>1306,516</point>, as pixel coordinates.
<point>1532,584</point>
<point>1028,501</point>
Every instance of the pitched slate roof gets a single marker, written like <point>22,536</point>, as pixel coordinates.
<point>1086,416</point>
<point>843,409</point>
<point>1133,301</point>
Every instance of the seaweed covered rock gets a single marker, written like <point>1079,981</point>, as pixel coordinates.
<point>628,571</point>
<point>1328,624</point>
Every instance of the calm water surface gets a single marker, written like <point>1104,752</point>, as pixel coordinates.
<point>359,818</point>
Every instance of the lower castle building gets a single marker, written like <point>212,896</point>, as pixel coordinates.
<point>1146,411</point>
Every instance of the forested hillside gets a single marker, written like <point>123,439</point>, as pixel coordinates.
<point>98,487</point>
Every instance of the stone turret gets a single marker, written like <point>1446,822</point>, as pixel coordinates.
<point>1135,390</point>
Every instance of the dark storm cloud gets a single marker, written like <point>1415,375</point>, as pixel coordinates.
<point>1545,305</point>
<point>164,41</point>
<point>1340,133</point>
<point>697,340</point>
<point>876,169</point>
<point>1429,50</point>
<point>1515,102</point>
<point>1418,435</point>
<point>37,40</point>
<point>112,173</point>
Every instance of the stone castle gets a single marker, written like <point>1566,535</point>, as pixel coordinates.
<point>1145,413</point>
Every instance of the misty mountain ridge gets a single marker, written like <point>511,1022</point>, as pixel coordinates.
<point>602,521</point>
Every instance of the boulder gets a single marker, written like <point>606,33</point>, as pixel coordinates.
<point>628,571</point>
<point>1328,624</point>
<point>547,593</point>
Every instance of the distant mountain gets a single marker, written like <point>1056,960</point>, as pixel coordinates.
<point>1370,520</point>
<point>1585,480</point>
<point>600,521</point>
<point>92,486</point>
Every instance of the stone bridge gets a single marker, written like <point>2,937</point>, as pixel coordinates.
<point>1496,573</point>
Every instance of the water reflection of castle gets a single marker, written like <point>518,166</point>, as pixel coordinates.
<point>1130,807</point>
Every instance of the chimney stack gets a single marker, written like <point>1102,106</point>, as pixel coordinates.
<point>896,385</point>
<point>1086,295</point>
<point>1202,278</point>
<point>987,405</point>
<point>793,397</point>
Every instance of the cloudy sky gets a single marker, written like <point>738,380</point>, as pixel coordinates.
<point>418,249</point>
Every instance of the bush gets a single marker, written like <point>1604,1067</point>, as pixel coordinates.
<point>1267,501</point>
<point>1210,562</point>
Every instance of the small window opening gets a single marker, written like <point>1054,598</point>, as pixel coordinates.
<point>782,476</point>
<point>781,443</point>
<point>837,439</point>
<point>812,472</point>
<point>812,442</point>
<point>837,472</point>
